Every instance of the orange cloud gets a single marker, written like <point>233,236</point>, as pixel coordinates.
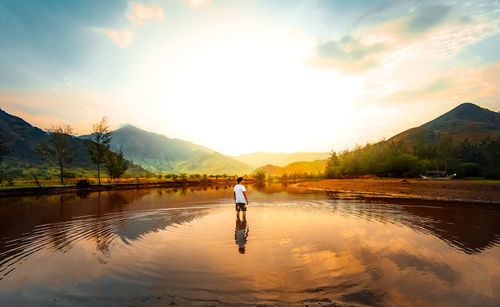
<point>139,13</point>
<point>121,38</point>
<point>468,84</point>
<point>44,109</point>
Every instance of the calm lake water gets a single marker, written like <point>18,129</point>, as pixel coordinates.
<point>187,247</point>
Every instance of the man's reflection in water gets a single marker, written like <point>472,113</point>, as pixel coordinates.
<point>241,233</point>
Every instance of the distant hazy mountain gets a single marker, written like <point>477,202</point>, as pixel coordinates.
<point>158,153</point>
<point>309,167</point>
<point>22,139</point>
<point>260,158</point>
<point>467,121</point>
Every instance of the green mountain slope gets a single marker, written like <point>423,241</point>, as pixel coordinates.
<point>260,158</point>
<point>466,121</point>
<point>20,138</point>
<point>20,142</point>
<point>158,153</point>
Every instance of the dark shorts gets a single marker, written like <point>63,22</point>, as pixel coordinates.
<point>241,207</point>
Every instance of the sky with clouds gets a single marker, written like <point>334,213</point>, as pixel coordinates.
<point>244,76</point>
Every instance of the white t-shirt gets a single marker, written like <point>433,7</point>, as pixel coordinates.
<point>238,190</point>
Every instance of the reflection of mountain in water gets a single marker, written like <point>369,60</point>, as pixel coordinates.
<point>100,229</point>
<point>471,228</point>
<point>147,222</point>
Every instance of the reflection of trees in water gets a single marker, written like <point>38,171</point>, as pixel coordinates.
<point>115,199</point>
<point>260,186</point>
<point>471,228</point>
<point>58,233</point>
<point>82,193</point>
<point>276,187</point>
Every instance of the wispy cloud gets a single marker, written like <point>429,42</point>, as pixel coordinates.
<point>139,13</point>
<point>420,92</point>
<point>428,17</point>
<point>453,86</point>
<point>427,33</point>
<point>121,38</point>
<point>349,55</point>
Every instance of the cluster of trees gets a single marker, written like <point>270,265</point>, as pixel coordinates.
<point>295,176</point>
<point>398,159</point>
<point>261,176</point>
<point>58,150</point>
<point>184,176</point>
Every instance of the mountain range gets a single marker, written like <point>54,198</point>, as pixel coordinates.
<point>158,153</point>
<point>262,158</point>
<point>151,151</point>
<point>304,167</point>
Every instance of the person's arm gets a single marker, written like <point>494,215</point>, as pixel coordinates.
<point>246,198</point>
<point>234,196</point>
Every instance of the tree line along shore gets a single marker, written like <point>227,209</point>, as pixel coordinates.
<point>400,158</point>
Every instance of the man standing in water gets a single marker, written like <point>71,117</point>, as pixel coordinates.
<point>240,198</point>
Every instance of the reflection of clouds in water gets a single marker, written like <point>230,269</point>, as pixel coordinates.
<point>387,260</point>
<point>471,228</point>
<point>441,270</point>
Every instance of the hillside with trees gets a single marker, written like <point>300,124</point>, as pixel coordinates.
<point>30,152</point>
<point>303,169</point>
<point>465,140</point>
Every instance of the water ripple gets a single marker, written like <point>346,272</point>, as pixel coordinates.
<point>128,226</point>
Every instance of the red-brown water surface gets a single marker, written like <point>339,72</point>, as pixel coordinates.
<point>187,247</point>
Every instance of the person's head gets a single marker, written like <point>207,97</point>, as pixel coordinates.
<point>239,180</point>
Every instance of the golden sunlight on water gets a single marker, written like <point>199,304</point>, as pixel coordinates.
<point>187,247</point>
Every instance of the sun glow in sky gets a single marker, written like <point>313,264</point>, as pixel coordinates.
<point>245,76</point>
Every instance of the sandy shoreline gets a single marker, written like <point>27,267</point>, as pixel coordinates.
<point>452,190</point>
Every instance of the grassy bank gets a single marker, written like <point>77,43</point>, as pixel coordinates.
<point>29,188</point>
